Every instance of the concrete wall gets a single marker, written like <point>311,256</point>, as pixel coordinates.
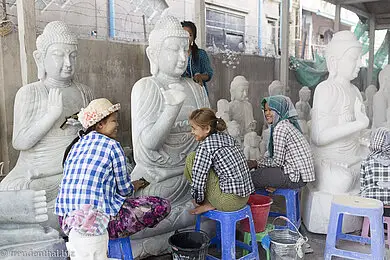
<point>112,68</point>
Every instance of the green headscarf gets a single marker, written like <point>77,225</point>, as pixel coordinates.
<point>282,109</point>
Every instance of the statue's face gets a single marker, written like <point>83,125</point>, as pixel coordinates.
<point>60,61</point>
<point>349,64</point>
<point>172,59</point>
<point>241,93</point>
<point>276,90</point>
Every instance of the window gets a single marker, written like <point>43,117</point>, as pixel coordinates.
<point>224,28</point>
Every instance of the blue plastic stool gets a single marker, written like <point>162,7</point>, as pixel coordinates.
<point>226,232</point>
<point>120,249</point>
<point>357,206</point>
<point>293,212</point>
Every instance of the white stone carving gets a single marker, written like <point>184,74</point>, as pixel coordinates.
<point>223,110</point>
<point>233,128</point>
<point>369,94</point>
<point>303,109</point>
<point>161,133</point>
<point>40,109</point>
<point>251,146</point>
<point>240,110</point>
<point>338,117</point>
<point>381,100</point>
<point>275,88</point>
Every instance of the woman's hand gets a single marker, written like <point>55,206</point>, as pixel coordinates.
<point>139,184</point>
<point>198,79</point>
<point>252,164</point>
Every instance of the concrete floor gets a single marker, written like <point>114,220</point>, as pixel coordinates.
<point>316,241</point>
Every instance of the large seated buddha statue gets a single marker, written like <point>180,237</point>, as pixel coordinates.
<point>338,121</point>
<point>41,133</point>
<point>161,133</point>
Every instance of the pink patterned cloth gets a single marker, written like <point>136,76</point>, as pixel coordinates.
<point>135,215</point>
<point>87,221</point>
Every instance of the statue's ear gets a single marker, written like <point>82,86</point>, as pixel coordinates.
<point>152,56</point>
<point>38,57</point>
<point>332,65</point>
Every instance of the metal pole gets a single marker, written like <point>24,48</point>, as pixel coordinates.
<point>200,18</point>
<point>337,18</point>
<point>370,69</point>
<point>284,59</point>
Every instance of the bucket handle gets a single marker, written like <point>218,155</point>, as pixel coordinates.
<point>289,221</point>
<point>302,240</point>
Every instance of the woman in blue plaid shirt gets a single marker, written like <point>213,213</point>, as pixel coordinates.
<point>217,171</point>
<point>94,195</point>
<point>288,162</point>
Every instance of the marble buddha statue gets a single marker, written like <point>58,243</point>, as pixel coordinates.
<point>338,118</point>
<point>251,146</point>
<point>369,94</point>
<point>161,133</point>
<point>223,110</point>
<point>240,109</point>
<point>40,109</point>
<point>275,88</point>
<point>303,109</point>
<point>381,100</point>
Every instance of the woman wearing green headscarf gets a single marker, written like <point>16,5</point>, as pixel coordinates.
<point>288,163</point>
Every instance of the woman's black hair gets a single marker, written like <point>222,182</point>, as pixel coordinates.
<point>81,134</point>
<point>194,47</point>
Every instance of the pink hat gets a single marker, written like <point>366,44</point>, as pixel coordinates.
<point>96,111</point>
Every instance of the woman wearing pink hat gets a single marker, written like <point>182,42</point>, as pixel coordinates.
<point>94,201</point>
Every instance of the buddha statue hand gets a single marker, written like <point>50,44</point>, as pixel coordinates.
<point>174,95</point>
<point>54,103</point>
<point>360,114</point>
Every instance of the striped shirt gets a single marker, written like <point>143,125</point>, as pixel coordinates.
<point>221,152</point>
<point>95,173</point>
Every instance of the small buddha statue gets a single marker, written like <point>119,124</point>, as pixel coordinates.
<point>240,109</point>
<point>251,146</point>
<point>223,110</point>
<point>381,100</point>
<point>41,133</point>
<point>276,88</point>
<point>369,94</point>
<point>303,109</point>
<point>161,133</point>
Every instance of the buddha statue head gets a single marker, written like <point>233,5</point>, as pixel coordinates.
<point>168,47</point>
<point>384,79</point>
<point>56,52</point>
<point>275,88</point>
<point>343,56</point>
<point>304,94</point>
<point>239,88</point>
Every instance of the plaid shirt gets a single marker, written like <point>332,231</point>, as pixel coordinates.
<point>376,168</point>
<point>95,173</point>
<point>291,152</point>
<point>221,152</point>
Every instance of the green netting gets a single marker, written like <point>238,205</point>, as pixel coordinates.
<point>311,73</point>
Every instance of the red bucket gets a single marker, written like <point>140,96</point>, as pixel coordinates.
<point>260,206</point>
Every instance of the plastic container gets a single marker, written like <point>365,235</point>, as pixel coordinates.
<point>189,245</point>
<point>260,207</point>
